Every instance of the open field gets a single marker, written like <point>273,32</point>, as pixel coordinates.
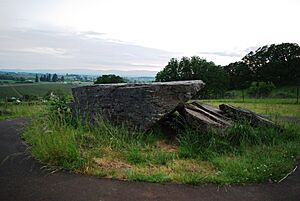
<point>279,92</point>
<point>37,89</point>
<point>12,110</point>
<point>274,107</point>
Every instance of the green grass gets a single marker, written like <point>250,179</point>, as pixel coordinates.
<point>37,89</point>
<point>13,110</point>
<point>287,92</point>
<point>275,107</point>
<point>241,154</point>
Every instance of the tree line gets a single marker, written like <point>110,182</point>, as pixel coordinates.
<point>49,78</point>
<point>276,65</point>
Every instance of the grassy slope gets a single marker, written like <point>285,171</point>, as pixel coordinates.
<point>39,89</point>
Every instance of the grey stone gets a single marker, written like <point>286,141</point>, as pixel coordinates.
<point>242,114</point>
<point>139,105</point>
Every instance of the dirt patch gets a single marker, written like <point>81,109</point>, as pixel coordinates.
<point>111,164</point>
<point>166,147</point>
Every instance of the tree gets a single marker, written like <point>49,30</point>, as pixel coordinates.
<point>48,79</point>
<point>279,64</point>
<point>195,68</point>
<point>54,78</point>
<point>42,78</point>
<point>37,78</point>
<point>62,78</point>
<point>106,79</point>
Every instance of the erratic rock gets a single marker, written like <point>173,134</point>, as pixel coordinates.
<point>139,105</point>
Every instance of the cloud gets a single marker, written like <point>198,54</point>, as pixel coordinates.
<point>56,52</point>
<point>223,54</point>
<point>58,48</point>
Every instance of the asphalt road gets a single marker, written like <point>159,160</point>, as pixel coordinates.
<point>22,178</point>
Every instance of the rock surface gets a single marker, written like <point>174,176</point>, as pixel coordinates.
<point>139,105</point>
<point>241,114</point>
<point>203,116</point>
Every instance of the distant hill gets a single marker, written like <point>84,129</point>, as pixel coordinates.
<point>130,73</point>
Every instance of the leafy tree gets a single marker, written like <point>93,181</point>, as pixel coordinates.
<point>54,78</point>
<point>194,68</point>
<point>37,78</point>
<point>240,75</point>
<point>279,64</point>
<point>48,79</point>
<point>106,79</point>
<point>43,78</point>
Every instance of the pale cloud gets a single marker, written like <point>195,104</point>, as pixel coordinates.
<point>39,48</point>
<point>56,52</point>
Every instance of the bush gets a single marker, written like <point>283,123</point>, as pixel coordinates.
<point>260,89</point>
<point>106,79</point>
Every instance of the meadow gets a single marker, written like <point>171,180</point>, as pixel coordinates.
<point>273,107</point>
<point>26,109</point>
<point>63,142</point>
<point>36,89</point>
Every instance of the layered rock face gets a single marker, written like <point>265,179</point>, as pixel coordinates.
<point>139,105</point>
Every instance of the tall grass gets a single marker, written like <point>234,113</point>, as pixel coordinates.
<point>27,109</point>
<point>240,154</point>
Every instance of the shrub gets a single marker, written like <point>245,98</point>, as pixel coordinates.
<point>106,79</point>
<point>260,89</point>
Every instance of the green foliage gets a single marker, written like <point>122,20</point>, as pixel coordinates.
<point>195,68</point>
<point>106,79</point>
<point>240,75</point>
<point>54,78</point>
<point>278,64</point>
<point>260,89</point>
<point>28,98</point>
<point>55,143</point>
<point>37,79</point>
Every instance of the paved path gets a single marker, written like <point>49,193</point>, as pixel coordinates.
<point>21,178</point>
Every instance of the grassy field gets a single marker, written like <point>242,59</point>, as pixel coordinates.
<point>274,107</point>
<point>13,110</point>
<point>39,89</point>
<point>193,157</point>
<point>279,92</point>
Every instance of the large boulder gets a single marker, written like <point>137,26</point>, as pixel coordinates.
<point>139,105</point>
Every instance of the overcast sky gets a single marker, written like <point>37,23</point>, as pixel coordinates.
<point>139,34</point>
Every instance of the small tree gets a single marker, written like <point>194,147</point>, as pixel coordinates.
<point>107,79</point>
<point>37,78</point>
<point>54,78</point>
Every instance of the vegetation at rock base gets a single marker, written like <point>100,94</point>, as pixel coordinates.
<point>105,150</point>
